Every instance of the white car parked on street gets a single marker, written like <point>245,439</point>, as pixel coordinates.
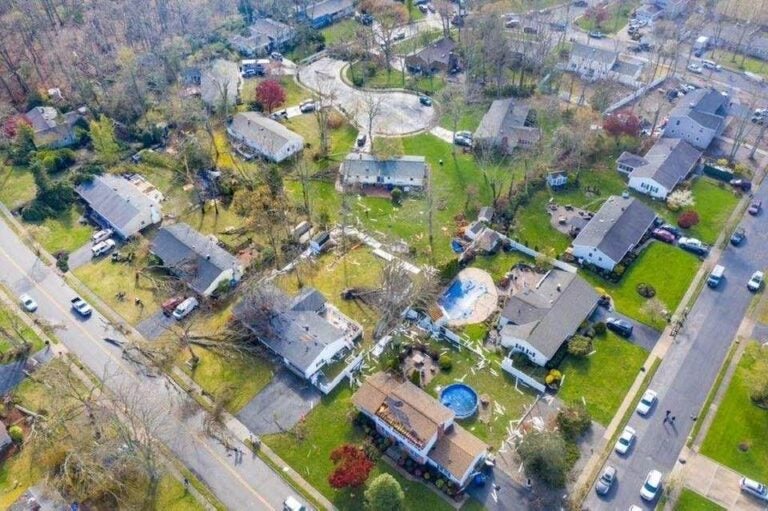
<point>651,486</point>
<point>646,402</point>
<point>29,303</point>
<point>625,441</point>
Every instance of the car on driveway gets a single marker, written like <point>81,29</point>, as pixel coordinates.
<point>463,138</point>
<point>738,237</point>
<point>756,281</point>
<point>29,303</point>
<point>101,235</point>
<point>361,139</point>
<point>425,100</point>
<point>606,480</point>
<point>672,229</point>
<point>620,326</point>
<point>755,207</point>
<point>102,247</point>
<point>651,486</point>
<point>596,34</point>
<point>646,402</point>
<point>753,488</point>
<point>663,235</point>
<point>693,245</point>
<point>625,441</point>
<point>170,304</point>
<point>185,308</point>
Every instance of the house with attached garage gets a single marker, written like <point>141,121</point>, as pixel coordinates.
<point>263,36</point>
<point>438,57</point>
<point>254,135</point>
<point>421,426</point>
<point>195,259</point>
<point>324,13</point>
<point>666,164</point>
<point>613,232</point>
<point>314,339</point>
<point>538,321</point>
<point>52,129</point>
<point>362,169</point>
<point>506,126</point>
<point>115,203</point>
<point>698,118</point>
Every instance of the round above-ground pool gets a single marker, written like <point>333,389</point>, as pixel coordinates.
<point>460,398</point>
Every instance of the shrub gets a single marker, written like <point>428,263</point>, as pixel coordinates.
<point>445,363</point>
<point>416,377</point>
<point>397,196</point>
<point>619,270</point>
<point>688,219</point>
<point>62,263</point>
<point>553,377</point>
<point>543,454</point>
<point>385,494</point>
<point>646,290</point>
<point>574,421</point>
<point>580,346</point>
<point>16,434</point>
<point>335,120</point>
<point>352,467</point>
<point>599,328</point>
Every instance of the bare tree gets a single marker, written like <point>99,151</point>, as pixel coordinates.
<point>372,105</point>
<point>324,96</point>
<point>389,18</point>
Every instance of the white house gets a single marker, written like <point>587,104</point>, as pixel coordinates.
<point>255,135</point>
<point>698,118</point>
<point>615,230</point>
<point>362,169</point>
<point>421,426</point>
<point>591,62</point>
<point>667,164</point>
<point>195,259</point>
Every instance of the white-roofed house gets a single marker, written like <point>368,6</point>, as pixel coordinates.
<point>360,170</point>
<point>252,134</point>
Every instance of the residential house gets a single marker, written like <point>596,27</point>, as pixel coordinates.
<point>421,426</point>
<point>115,203</point>
<point>256,135</point>
<point>362,169</point>
<point>666,164</point>
<point>51,129</point>
<point>614,231</point>
<point>326,12</point>
<point>538,321</point>
<point>438,57</point>
<point>653,10</point>
<point>751,40</point>
<point>265,35</point>
<point>505,126</point>
<point>557,179</point>
<point>698,117</point>
<point>195,259</point>
<point>309,334</point>
<point>488,241</point>
<point>220,83</point>
<point>474,230</point>
<point>649,13</point>
<point>592,63</point>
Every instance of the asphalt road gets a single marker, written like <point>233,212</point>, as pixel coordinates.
<point>689,369</point>
<point>249,485</point>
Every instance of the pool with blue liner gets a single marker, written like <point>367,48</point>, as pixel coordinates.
<point>460,398</point>
<point>459,299</point>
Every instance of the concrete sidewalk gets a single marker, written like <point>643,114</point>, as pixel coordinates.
<point>718,483</point>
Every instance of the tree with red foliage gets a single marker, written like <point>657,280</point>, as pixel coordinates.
<point>688,219</point>
<point>11,125</point>
<point>270,94</point>
<point>622,123</point>
<point>598,14</point>
<point>352,467</point>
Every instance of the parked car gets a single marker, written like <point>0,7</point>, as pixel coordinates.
<point>596,34</point>
<point>307,106</point>
<point>463,138</point>
<point>425,100</point>
<point>185,308</point>
<point>423,8</point>
<point>652,485</point>
<point>606,480</point>
<point>693,245</point>
<point>754,488</point>
<point>558,26</point>
<point>102,247</point>
<point>695,68</point>
<point>399,36</point>
<point>279,116</point>
<point>276,56</point>
<point>81,307</point>
<point>29,303</point>
<point>293,504</point>
<point>620,326</point>
<point>646,402</point>
<point>741,184</point>
<point>361,139</point>
<point>170,304</point>
<point>756,281</point>
<point>674,231</point>
<point>755,207</point>
<point>101,235</point>
<point>708,64</point>
<point>580,3</point>
<point>716,276</point>
<point>663,235</point>
<point>625,441</point>
<point>738,236</point>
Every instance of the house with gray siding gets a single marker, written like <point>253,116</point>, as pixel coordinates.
<point>666,164</point>
<point>698,118</point>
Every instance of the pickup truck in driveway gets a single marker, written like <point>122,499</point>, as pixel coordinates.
<point>81,307</point>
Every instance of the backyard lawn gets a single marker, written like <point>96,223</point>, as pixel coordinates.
<point>63,233</point>
<point>738,422</point>
<point>618,16</point>
<point>668,269</point>
<point>17,186</point>
<point>689,500</point>
<point>603,378</point>
<point>499,264</point>
<point>294,93</point>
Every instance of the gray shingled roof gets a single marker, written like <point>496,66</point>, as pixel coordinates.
<point>310,299</point>
<point>327,8</point>
<point>261,131</point>
<point>502,119</point>
<point>631,159</point>
<point>192,256</point>
<point>438,52</point>
<point>605,57</point>
<point>617,226</point>
<point>545,316</point>
<point>363,165</point>
<point>705,106</point>
<point>669,161</point>
<point>120,203</point>
<point>261,33</point>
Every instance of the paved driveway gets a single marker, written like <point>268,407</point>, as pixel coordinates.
<point>80,257</point>
<point>642,334</point>
<point>718,483</point>
<point>155,325</point>
<point>280,405</point>
<point>400,112</point>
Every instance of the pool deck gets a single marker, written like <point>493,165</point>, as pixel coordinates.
<point>485,304</point>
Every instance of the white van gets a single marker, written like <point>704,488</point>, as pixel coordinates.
<point>292,504</point>
<point>710,64</point>
<point>185,308</point>
<point>102,247</point>
<point>101,235</point>
<point>716,276</point>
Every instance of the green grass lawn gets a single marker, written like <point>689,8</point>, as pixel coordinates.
<point>15,327</point>
<point>423,39</point>
<point>340,32</point>
<point>499,264</point>
<point>294,93</point>
<point>689,500</point>
<point>394,79</point>
<point>738,421</point>
<point>17,186</point>
<point>740,62</point>
<point>470,118</point>
<point>668,269</point>
<point>63,233</point>
<point>307,449</point>
<point>618,17</point>
<point>603,378</point>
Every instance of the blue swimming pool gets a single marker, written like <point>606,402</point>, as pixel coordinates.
<point>459,299</point>
<point>460,398</point>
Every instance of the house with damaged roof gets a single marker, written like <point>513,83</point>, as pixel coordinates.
<point>538,321</point>
<point>698,118</point>
<point>421,426</point>
<point>613,232</point>
<point>506,126</point>
<point>52,129</point>
<point>407,172</point>
<point>668,163</point>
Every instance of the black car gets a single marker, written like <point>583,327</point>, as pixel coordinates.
<point>361,140</point>
<point>620,326</point>
<point>738,237</point>
<point>425,100</point>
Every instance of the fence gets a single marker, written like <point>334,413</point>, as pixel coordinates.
<point>532,253</point>
<point>635,95</point>
<point>526,379</point>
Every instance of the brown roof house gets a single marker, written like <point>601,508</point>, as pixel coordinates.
<point>421,426</point>
<point>438,57</point>
<point>505,126</point>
